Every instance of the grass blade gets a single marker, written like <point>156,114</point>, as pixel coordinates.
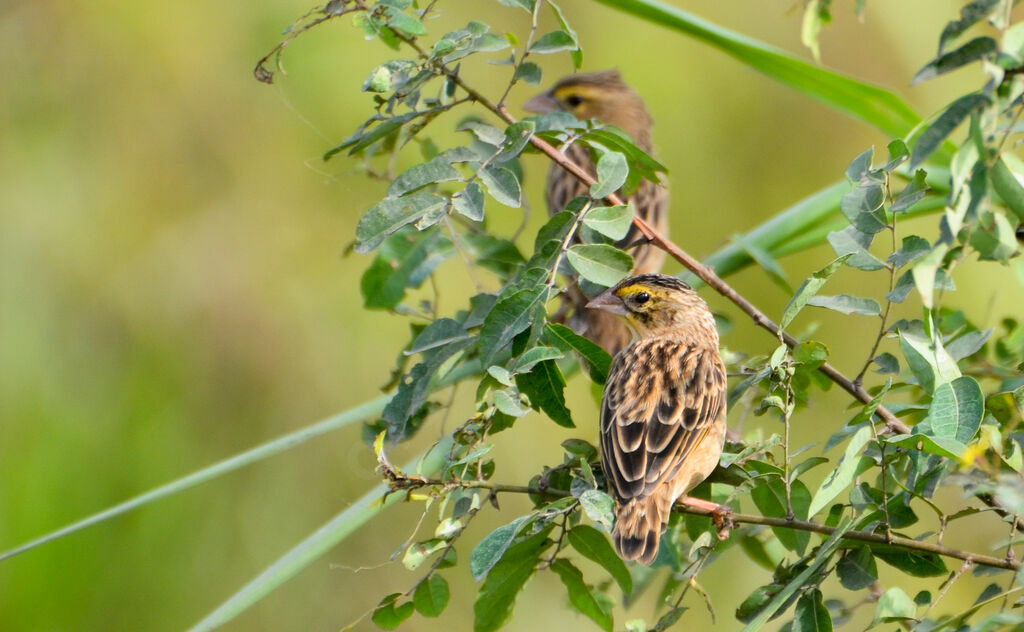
<point>321,541</point>
<point>230,464</point>
<point>871,104</point>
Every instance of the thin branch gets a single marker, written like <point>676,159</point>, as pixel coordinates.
<point>399,481</point>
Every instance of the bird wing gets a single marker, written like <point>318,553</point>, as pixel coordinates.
<point>660,400</point>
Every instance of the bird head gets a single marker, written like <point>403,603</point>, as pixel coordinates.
<point>597,95</point>
<point>659,305</point>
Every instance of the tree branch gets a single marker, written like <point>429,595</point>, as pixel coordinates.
<point>399,481</point>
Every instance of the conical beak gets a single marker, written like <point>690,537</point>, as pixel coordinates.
<point>541,104</point>
<point>608,302</point>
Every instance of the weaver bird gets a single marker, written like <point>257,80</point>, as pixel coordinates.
<point>663,409</point>
<point>606,97</point>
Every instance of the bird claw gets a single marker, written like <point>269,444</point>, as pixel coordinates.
<point>721,515</point>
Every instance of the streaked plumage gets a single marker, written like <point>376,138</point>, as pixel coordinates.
<point>663,409</point>
<point>606,97</point>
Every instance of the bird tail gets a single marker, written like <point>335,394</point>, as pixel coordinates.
<point>639,523</point>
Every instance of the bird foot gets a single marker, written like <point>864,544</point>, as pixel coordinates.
<point>721,515</point>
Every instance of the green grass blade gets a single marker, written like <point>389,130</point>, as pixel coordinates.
<point>825,551</point>
<point>871,104</point>
<point>248,457</point>
<point>321,541</point>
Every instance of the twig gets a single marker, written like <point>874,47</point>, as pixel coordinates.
<point>401,481</point>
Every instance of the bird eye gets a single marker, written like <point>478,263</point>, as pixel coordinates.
<point>641,298</point>
<point>574,100</point>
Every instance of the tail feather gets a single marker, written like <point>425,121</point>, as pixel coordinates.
<point>639,524</point>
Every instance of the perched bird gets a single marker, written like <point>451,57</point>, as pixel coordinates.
<point>663,409</point>
<point>606,97</point>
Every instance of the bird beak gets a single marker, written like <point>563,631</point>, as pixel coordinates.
<point>541,104</point>
<point>608,302</point>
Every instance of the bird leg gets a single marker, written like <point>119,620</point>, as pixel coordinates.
<point>720,514</point>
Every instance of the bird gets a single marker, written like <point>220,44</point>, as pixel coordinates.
<point>606,97</point>
<point>663,409</point>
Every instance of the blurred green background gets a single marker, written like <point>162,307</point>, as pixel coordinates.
<point>173,290</point>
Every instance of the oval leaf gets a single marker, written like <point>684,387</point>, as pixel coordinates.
<point>600,263</point>
<point>612,171</point>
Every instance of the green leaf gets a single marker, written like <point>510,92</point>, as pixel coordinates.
<point>967,344</point>
<point>599,507</point>
<point>508,402</point>
<point>594,545</point>
<point>431,596</point>
<point>470,202</point>
<point>612,171</point>
<point>912,562</point>
<point>526,361</point>
<point>863,206</point>
<point>871,104</point>
<point>970,14</point>
<point>484,132</point>
<point>972,51</point>
<point>497,596</point>
<point>911,194</point>
<point>783,596</point>
<point>388,215</point>
<point>929,361</point>
<point>597,359</point>
<point>913,247</point>
<point>545,386</point>
<point>846,304</point>
<point>517,136</point>
<point>857,569</point>
<point>600,263</point>
<point>993,237</point>
<point>526,5</point>
<point>577,54</point>
<point>387,616</point>
<point>439,333</point>
<point>894,605</point>
<point>956,409</point>
<point>502,185</point>
<point>939,446</point>
<point>528,72</point>
<point>853,244</point>
<point>611,221</point>
<point>925,273</point>
<point>441,339</point>
<point>950,119</point>
<point>580,595</point>
<point>808,289</point>
<point>1009,188</point>
<point>489,551</point>
<point>898,154</point>
<point>404,22</point>
<point>510,315</point>
<point>769,495</point>
<point>640,162</point>
<point>811,614</point>
<point>553,42</point>
<point>842,477</point>
<point>405,260</point>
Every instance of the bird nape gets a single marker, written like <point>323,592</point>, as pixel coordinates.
<point>604,96</point>
<point>663,409</point>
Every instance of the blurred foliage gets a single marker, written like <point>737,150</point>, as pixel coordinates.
<point>165,303</point>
